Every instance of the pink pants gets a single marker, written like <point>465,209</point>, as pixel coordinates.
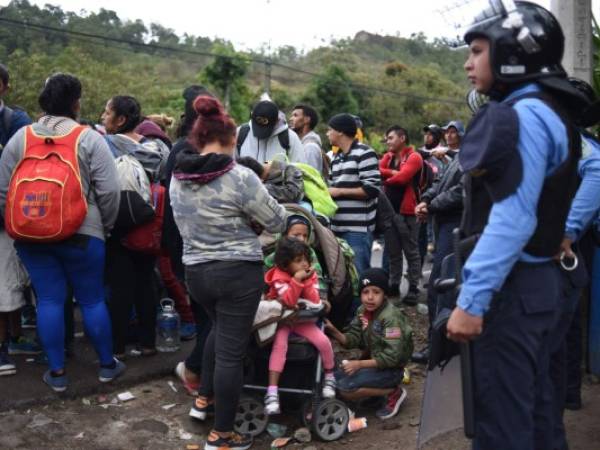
<point>308,330</point>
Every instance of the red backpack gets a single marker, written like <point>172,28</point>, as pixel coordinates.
<point>45,200</point>
<point>147,237</point>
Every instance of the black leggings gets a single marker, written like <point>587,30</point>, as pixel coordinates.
<point>229,292</point>
<point>131,282</point>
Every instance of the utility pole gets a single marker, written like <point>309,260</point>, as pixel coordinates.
<point>268,67</point>
<point>575,17</point>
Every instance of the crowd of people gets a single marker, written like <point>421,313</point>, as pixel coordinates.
<point>108,215</point>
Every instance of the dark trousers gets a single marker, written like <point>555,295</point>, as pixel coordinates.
<point>443,247</point>
<point>229,292</point>
<point>511,358</point>
<point>130,278</point>
<point>203,326</point>
<point>572,284</point>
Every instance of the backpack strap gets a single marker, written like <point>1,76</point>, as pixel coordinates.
<point>241,137</point>
<point>284,140</point>
<point>7,115</point>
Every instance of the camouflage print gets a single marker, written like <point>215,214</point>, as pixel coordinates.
<point>214,219</point>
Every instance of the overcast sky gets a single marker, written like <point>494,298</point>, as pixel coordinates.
<point>304,24</point>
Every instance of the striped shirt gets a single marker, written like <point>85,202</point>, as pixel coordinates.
<point>358,168</point>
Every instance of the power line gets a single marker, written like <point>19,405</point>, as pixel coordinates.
<point>266,62</point>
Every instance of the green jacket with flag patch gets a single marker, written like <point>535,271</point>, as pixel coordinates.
<point>387,336</point>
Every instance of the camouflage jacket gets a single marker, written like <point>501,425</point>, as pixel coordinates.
<point>215,212</point>
<point>386,337</point>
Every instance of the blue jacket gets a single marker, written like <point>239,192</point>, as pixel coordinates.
<point>19,119</point>
<point>543,146</point>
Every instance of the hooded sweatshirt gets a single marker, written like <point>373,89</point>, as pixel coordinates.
<point>215,201</point>
<point>264,150</point>
<point>288,290</point>
<point>312,150</point>
<point>99,178</point>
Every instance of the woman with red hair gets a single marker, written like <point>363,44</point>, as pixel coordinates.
<point>218,206</point>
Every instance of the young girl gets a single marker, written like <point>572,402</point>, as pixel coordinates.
<point>381,330</point>
<point>290,281</point>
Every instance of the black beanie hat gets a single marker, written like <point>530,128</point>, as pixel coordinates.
<point>344,123</point>
<point>373,277</point>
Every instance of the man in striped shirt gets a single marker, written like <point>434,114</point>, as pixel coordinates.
<point>354,185</point>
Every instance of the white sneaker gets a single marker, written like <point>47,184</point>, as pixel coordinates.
<point>272,404</point>
<point>329,387</point>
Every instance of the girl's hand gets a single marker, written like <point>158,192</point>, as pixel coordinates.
<point>304,274</point>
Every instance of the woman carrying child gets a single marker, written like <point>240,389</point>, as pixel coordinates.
<point>293,281</point>
<point>382,331</point>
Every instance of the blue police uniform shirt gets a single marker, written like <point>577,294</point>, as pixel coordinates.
<point>586,203</point>
<point>19,119</point>
<point>543,146</point>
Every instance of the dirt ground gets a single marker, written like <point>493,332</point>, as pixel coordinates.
<point>157,418</point>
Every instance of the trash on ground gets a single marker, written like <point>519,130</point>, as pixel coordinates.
<point>192,447</point>
<point>125,396</point>
<point>356,424</point>
<point>276,430</point>
<point>86,401</point>
<point>406,377</point>
<point>30,360</point>
<point>422,309</point>
<point>80,435</point>
<point>168,407</point>
<point>281,442</point>
<point>414,422</point>
<point>172,385</point>
<point>102,399</point>
<point>302,435</point>
<point>40,420</point>
<point>184,435</point>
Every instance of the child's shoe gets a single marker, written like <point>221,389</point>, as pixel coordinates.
<point>392,404</point>
<point>329,386</point>
<point>272,404</point>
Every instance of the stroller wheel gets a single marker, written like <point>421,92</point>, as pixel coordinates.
<point>250,417</point>
<point>330,420</point>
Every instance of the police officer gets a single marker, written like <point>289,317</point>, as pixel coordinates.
<point>521,166</point>
<point>584,210</point>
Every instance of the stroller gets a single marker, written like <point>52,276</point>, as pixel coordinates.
<point>301,380</point>
<point>300,384</point>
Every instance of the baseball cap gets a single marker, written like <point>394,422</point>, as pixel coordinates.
<point>264,118</point>
<point>458,125</point>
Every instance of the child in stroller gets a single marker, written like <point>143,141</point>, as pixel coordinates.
<point>293,282</point>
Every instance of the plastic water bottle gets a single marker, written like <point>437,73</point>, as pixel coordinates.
<point>167,327</point>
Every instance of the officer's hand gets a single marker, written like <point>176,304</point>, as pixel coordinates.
<point>565,247</point>
<point>462,326</point>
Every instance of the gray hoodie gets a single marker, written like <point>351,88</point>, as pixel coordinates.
<point>264,150</point>
<point>312,150</point>
<point>98,173</point>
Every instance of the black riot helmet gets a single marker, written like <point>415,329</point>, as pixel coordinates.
<point>590,115</point>
<point>526,41</point>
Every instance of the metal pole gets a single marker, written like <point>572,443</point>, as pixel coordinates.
<point>575,17</point>
<point>268,67</point>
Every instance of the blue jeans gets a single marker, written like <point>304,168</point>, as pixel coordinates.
<point>368,378</point>
<point>361,243</point>
<point>79,263</point>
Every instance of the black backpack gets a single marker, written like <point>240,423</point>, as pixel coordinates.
<point>284,138</point>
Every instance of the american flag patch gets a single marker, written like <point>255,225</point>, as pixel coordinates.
<point>393,333</point>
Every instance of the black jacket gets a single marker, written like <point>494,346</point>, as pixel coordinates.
<point>445,198</point>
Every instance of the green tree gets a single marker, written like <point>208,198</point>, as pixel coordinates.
<point>331,93</point>
<point>226,74</point>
